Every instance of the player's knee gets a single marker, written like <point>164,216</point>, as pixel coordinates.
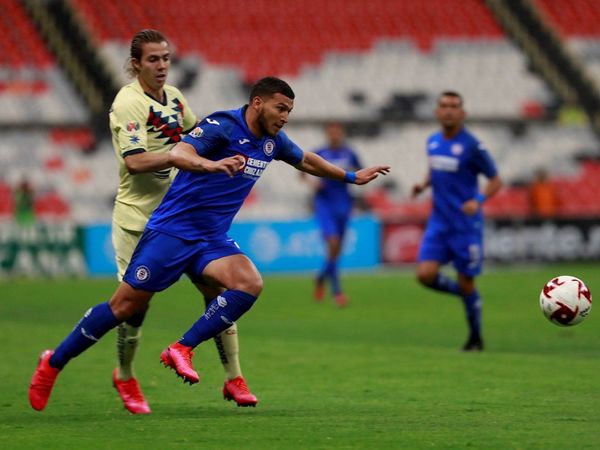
<point>425,277</point>
<point>252,284</point>
<point>125,307</point>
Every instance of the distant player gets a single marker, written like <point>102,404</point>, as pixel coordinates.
<point>333,206</point>
<point>455,229</point>
<point>148,117</point>
<point>219,162</point>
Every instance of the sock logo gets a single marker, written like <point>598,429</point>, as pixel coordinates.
<point>142,273</point>
<point>226,320</point>
<point>87,335</point>
<point>221,301</point>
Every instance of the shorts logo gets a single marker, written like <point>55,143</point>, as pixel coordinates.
<point>142,273</point>
<point>133,126</point>
<point>221,301</point>
<point>269,147</point>
<point>197,132</point>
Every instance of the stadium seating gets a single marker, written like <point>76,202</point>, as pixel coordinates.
<point>572,18</point>
<point>380,63</point>
<point>33,89</point>
<point>348,50</point>
<point>576,21</point>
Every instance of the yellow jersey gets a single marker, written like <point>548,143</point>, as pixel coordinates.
<point>140,123</point>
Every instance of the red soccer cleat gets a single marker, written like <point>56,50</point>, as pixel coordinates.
<point>319,292</point>
<point>179,358</point>
<point>42,381</point>
<point>237,390</point>
<point>131,394</point>
<point>341,300</point>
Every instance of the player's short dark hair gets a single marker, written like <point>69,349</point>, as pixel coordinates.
<point>451,94</point>
<point>269,86</point>
<point>139,39</point>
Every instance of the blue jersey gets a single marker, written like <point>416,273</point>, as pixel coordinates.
<point>454,166</point>
<point>335,194</point>
<point>203,205</point>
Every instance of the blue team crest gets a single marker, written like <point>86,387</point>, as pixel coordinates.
<point>456,149</point>
<point>142,273</point>
<point>269,147</point>
<point>134,139</point>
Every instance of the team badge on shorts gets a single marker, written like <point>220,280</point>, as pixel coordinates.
<point>268,147</point>
<point>142,273</point>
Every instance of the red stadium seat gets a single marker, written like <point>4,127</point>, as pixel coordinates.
<point>244,39</point>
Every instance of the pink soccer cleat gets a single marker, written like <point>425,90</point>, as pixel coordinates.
<point>341,300</point>
<point>179,358</point>
<point>131,394</point>
<point>42,382</point>
<point>237,390</point>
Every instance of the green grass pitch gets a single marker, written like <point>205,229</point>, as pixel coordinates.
<point>384,373</point>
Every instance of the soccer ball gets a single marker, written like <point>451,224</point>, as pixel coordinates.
<point>565,300</point>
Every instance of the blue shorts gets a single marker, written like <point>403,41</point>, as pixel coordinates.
<point>160,259</point>
<point>464,249</point>
<point>332,222</point>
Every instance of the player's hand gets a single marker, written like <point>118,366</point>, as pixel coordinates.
<point>470,207</point>
<point>368,174</point>
<point>230,166</point>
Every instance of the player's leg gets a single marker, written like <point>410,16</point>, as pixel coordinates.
<point>235,387</point>
<point>218,264</point>
<point>326,224</point>
<point>128,332</point>
<point>473,304</point>
<point>335,246</point>
<point>94,324</point>
<point>435,252</point>
<point>468,263</point>
<point>157,263</point>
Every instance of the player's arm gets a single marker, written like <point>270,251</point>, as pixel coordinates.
<point>485,165</point>
<point>184,157</point>
<point>143,161</point>
<point>420,187</point>
<point>471,206</point>
<point>315,165</point>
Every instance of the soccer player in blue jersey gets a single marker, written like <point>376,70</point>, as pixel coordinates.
<point>455,228</point>
<point>219,162</point>
<point>333,206</point>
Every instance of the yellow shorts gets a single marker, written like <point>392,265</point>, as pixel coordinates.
<point>124,242</point>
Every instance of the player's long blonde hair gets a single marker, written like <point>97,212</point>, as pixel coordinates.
<point>135,52</point>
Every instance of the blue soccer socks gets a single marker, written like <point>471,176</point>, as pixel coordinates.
<point>473,311</point>
<point>94,324</point>
<point>446,284</point>
<point>220,314</point>
<point>330,272</point>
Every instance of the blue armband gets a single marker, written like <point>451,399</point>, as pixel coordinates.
<point>480,198</point>
<point>350,177</point>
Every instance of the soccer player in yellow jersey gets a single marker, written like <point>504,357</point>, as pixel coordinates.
<point>147,118</point>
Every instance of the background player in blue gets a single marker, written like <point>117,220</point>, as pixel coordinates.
<point>333,206</point>
<point>455,229</point>
<point>219,162</point>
